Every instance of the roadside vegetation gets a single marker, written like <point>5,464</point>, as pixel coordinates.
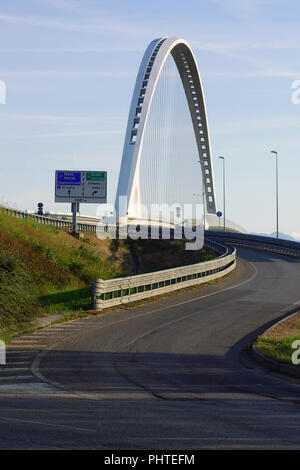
<point>221,229</point>
<point>277,342</point>
<point>155,255</point>
<point>44,270</point>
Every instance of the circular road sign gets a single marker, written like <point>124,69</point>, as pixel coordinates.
<point>219,214</point>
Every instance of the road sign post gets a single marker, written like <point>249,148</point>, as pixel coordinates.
<point>78,187</point>
<point>40,208</point>
<point>219,215</point>
<point>81,186</point>
<point>74,217</point>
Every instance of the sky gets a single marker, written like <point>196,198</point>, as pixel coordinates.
<point>69,69</point>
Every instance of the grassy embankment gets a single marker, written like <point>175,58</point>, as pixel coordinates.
<point>277,342</point>
<point>165,254</point>
<point>45,270</point>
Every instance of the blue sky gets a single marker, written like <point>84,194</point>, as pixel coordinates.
<point>70,66</point>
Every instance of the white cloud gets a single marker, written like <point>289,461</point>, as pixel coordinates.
<point>245,9</point>
<point>67,73</point>
<point>92,25</point>
<point>45,117</point>
<point>63,134</point>
<point>74,50</point>
<point>264,73</point>
<point>77,134</point>
<point>215,47</point>
<point>228,47</point>
<point>70,6</point>
<point>268,123</point>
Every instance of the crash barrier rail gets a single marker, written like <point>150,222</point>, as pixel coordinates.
<point>102,229</point>
<point>112,292</point>
<point>45,220</point>
<point>276,245</point>
<point>281,246</point>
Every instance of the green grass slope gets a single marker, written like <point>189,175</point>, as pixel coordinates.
<point>43,269</point>
<point>46,270</point>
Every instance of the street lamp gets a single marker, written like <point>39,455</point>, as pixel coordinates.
<point>276,160</point>
<point>224,205</point>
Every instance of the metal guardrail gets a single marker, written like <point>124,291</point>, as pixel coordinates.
<point>107,293</point>
<point>111,292</point>
<point>124,290</point>
<point>58,223</point>
<point>284,247</point>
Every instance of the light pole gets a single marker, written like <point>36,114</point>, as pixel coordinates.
<point>276,160</point>
<point>224,204</point>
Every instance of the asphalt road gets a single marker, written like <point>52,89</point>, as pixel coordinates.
<point>172,374</point>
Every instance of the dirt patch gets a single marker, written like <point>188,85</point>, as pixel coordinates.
<point>288,327</point>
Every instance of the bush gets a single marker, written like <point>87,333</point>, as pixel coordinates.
<point>17,292</point>
<point>76,267</point>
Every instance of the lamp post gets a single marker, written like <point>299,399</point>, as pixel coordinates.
<point>276,160</point>
<point>224,204</point>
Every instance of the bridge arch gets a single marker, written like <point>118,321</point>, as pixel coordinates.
<point>149,72</point>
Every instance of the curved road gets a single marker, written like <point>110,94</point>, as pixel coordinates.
<point>172,374</point>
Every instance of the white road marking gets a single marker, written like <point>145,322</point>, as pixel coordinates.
<point>25,387</point>
<point>16,377</point>
<point>24,358</point>
<point>27,340</point>
<point>18,363</point>
<point>37,360</point>
<point>40,423</point>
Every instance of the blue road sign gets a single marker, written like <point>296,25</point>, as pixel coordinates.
<point>219,214</point>
<point>81,186</point>
<point>70,178</point>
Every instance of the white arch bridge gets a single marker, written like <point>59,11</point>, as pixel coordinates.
<point>167,136</point>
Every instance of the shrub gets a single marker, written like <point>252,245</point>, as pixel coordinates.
<point>17,292</point>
